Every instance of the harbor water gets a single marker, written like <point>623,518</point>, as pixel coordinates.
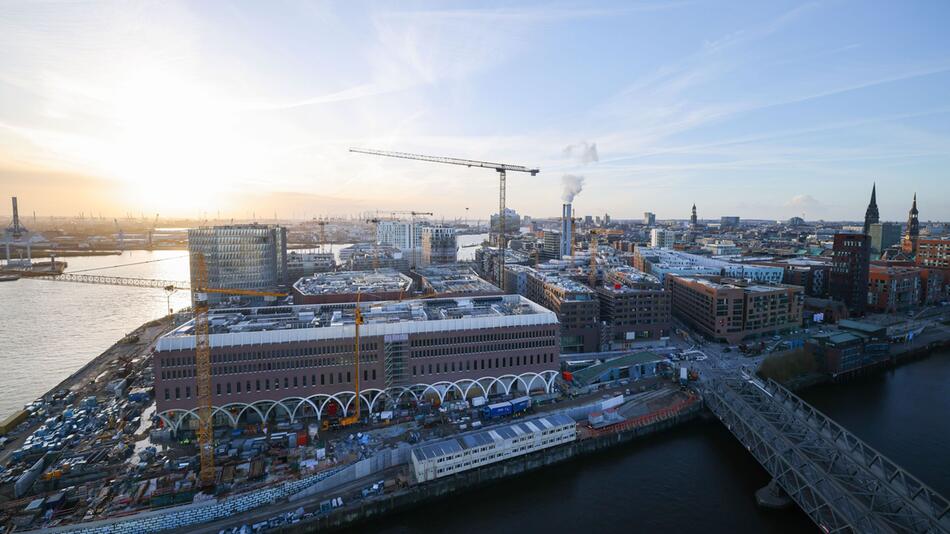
<point>698,478</point>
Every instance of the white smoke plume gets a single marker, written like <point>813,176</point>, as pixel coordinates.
<point>573,185</point>
<point>584,152</point>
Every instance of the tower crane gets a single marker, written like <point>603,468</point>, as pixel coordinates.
<point>501,168</point>
<point>200,292</point>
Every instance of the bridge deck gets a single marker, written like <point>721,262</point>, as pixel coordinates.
<point>842,483</point>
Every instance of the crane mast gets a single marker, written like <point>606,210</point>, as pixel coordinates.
<point>501,168</point>
<point>203,373</point>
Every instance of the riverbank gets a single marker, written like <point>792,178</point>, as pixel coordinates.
<point>92,377</point>
<point>357,515</point>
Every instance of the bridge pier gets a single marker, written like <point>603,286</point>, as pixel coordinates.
<point>772,496</point>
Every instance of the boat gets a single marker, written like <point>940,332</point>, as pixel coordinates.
<point>9,277</point>
<point>38,268</point>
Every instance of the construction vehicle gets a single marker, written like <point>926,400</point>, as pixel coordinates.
<point>501,168</point>
<point>199,292</point>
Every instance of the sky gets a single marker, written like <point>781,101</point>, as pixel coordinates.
<point>237,109</point>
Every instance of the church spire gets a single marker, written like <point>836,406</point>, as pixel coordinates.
<point>871,216</point>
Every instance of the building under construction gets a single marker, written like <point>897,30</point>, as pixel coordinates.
<point>454,280</point>
<point>301,358</point>
<point>345,286</point>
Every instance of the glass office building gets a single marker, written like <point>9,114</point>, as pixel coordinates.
<point>244,256</point>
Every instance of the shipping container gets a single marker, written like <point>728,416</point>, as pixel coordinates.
<point>499,409</point>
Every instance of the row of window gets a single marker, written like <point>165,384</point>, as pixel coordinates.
<point>482,363</point>
<point>479,338</point>
<point>473,349</point>
<point>248,386</point>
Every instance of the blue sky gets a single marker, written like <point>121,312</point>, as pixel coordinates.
<point>757,109</point>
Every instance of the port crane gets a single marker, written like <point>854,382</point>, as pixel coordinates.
<point>199,292</point>
<point>501,168</point>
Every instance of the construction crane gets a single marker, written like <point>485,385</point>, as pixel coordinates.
<point>357,321</point>
<point>199,293</point>
<point>501,168</point>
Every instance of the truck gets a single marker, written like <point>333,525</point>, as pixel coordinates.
<point>499,409</point>
<point>520,405</point>
<point>684,377</point>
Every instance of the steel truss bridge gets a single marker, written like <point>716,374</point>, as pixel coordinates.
<point>842,483</point>
<point>169,285</point>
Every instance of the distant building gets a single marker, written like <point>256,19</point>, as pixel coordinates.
<point>849,271</point>
<point>812,273</point>
<point>660,238</point>
<point>512,222</point>
<point>871,216</point>
<point>883,236</point>
<point>729,222</point>
<point>649,218</point>
<point>240,256</point>
<point>722,248</point>
<point>439,245</point>
<point>551,246</point>
<point>732,310</point>
<point>893,289</point>
<point>909,245</point>
<point>368,256</point>
<point>933,252</point>
<point>796,221</point>
<point>301,263</point>
<point>692,218</point>
<point>661,262</point>
<point>404,235</point>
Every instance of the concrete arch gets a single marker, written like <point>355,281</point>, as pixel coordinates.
<point>448,385</point>
<point>274,405</point>
<point>334,398</point>
<point>168,422</point>
<point>303,401</point>
<point>194,413</point>
<point>471,384</point>
<point>513,378</point>
<point>245,408</point>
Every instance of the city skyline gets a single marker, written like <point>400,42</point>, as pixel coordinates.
<point>188,109</point>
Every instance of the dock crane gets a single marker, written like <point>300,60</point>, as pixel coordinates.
<point>501,168</point>
<point>200,292</point>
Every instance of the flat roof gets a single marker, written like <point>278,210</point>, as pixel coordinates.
<point>454,278</point>
<point>758,288</point>
<point>488,436</point>
<point>353,282</point>
<point>308,322</point>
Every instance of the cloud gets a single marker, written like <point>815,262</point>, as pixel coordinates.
<point>584,152</point>
<point>803,201</point>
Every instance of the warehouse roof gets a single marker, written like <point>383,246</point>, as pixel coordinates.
<point>592,373</point>
<point>488,436</point>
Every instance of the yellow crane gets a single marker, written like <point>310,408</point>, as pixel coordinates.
<point>357,321</point>
<point>200,292</point>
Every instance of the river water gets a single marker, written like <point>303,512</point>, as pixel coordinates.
<point>696,478</point>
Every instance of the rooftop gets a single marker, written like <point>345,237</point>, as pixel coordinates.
<point>589,374</point>
<point>729,283</point>
<point>488,436</point>
<point>454,279</point>
<point>353,282</point>
<point>281,324</point>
